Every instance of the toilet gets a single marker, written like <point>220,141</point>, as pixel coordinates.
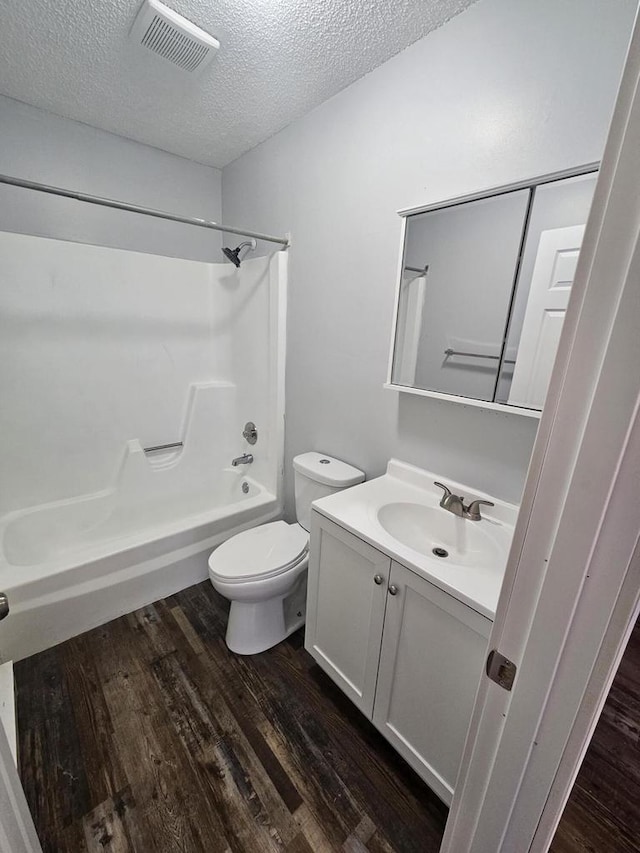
<point>263,571</point>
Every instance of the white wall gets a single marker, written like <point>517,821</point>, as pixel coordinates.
<point>43,147</point>
<point>505,91</point>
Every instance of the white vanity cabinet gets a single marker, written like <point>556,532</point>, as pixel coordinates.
<point>408,654</point>
<point>433,651</point>
<point>346,599</point>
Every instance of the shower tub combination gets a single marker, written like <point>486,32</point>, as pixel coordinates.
<point>70,565</point>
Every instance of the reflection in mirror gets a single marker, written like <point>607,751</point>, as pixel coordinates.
<point>554,235</point>
<point>483,291</point>
<point>454,316</point>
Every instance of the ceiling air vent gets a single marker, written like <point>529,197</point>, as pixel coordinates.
<point>174,38</point>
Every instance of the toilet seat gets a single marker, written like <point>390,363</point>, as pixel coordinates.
<point>259,553</point>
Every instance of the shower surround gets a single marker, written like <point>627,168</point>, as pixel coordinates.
<point>104,352</point>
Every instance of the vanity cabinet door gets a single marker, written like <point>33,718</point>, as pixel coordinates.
<point>346,598</point>
<point>433,652</point>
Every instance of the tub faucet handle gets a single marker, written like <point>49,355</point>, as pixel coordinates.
<point>250,432</point>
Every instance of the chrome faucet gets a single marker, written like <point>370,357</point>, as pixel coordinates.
<point>456,505</point>
<point>245,459</point>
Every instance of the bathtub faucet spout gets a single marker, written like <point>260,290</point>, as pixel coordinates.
<point>245,459</point>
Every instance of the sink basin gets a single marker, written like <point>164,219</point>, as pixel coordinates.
<point>442,536</point>
<point>398,514</point>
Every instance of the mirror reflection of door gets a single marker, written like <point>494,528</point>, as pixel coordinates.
<point>551,282</point>
<point>557,207</point>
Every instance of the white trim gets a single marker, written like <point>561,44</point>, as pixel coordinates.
<point>279,273</point>
<point>396,304</point>
<point>8,708</point>
<point>487,192</point>
<point>572,581</point>
<point>17,831</point>
<point>621,624</point>
<point>466,401</point>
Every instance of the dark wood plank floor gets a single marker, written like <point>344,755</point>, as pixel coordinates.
<point>603,812</point>
<point>147,735</point>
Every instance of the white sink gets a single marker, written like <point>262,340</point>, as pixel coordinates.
<point>399,514</point>
<point>442,536</point>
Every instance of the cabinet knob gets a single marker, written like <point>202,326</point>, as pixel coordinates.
<point>393,589</point>
<point>378,579</point>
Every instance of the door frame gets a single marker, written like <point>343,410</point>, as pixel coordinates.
<point>17,830</point>
<point>572,585</point>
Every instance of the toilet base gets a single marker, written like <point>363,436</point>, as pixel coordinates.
<point>255,626</point>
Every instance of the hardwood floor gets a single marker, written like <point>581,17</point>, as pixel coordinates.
<point>603,812</point>
<point>146,734</point>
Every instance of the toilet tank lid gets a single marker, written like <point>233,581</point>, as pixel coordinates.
<point>327,470</point>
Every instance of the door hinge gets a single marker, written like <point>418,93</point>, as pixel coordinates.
<point>501,670</point>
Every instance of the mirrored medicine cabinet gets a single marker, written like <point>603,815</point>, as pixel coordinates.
<point>482,290</point>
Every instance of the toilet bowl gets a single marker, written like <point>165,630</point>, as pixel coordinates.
<point>263,571</point>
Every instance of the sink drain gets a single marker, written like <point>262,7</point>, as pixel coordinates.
<point>440,552</point>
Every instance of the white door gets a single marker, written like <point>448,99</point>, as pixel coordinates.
<point>551,281</point>
<point>346,597</point>
<point>572,583</point>
<point>433,649</point>
<point>17,832</point>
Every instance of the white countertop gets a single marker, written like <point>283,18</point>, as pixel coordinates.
<point>356,509</point>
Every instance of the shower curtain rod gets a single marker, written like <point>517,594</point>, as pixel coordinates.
<point>135,208</point>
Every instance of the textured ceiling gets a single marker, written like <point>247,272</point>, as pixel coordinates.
<point>278,59</point>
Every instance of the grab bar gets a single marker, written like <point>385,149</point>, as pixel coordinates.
<point>450,351</point>
<point>163,447</point>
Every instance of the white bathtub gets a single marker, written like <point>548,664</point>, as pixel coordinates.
<point>71,565</point>
<point>132,349</point>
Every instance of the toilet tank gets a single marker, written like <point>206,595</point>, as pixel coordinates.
<point>317,476</point>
